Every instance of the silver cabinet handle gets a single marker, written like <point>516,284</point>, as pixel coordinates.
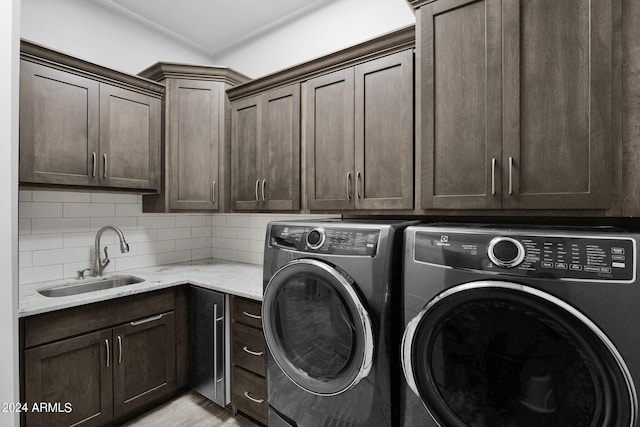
<point>348,185</point>
<point>94,164</point>
<point>213,190</point>
<point>106,342</point>
<point>358,182</point>
<point>147,320</point>
<point>257,185</point>
<point>510,175</point>
<point>104,159</point>
<point>264,182</point>
<point>253,353</point>
<point>253,316</point>
<point>215,348</point>
<point>253,399</point>
<point>493,176</point>
<point>119,349</point>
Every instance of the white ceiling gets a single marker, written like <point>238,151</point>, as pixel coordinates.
<point>212,26</point>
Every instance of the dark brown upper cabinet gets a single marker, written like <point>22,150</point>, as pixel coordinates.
<point>515,105</point>
<point>265,151</point>
<point>359,136</point>
<point>195,150</point>
<point>85,125</point>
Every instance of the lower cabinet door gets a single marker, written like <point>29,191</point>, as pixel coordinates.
<point>69,382</point>
<point>144,362</point>
<point>250,394</point>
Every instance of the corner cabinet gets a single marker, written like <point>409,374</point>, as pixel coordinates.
<point>87,126</point>
<point>359,136</point>
<point>516,104</point>
<point>103,363</point>
<point>265,151</point>
<point>196,143</point>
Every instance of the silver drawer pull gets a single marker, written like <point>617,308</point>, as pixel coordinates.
<point>108,351</point>
<point>147,320</point>
<point>93,169</point>
<point>253,353</point>
<point>253,316</point>
<point>119,349</point>
<point>253,399</point>
<point>104,172</point>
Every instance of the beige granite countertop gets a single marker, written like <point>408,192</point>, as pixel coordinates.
<point>225,276</point>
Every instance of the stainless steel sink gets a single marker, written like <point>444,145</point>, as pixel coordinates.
<point>90,285</point>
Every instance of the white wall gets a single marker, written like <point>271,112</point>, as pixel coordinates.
<point>9,51</point>
<point>88,30</point>
<point>335,26</point>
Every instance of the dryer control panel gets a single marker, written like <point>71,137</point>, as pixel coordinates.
<point>598,258</point>
<point>326,239</point>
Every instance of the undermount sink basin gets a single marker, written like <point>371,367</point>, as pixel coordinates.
<point>90,285</point>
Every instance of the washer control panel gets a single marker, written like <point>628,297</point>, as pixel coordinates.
<point>599,258</point>
<point>326,239</point>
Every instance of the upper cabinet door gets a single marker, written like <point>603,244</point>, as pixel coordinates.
<point>558,86</point>
<point>330,141</point>
<point>384,133</point>
<point>129,139</point>
<point>280,149</point>
<point>58,126</point>
<point>193,134</point>
<point>246,137</point>
<point>459,104</point>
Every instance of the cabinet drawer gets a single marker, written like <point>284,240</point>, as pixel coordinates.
<point>250,394</point>
<point>247,312</point>
<point>248,348</point>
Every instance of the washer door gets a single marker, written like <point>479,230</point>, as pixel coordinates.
<point>501,354</point>
<point>316,327</point>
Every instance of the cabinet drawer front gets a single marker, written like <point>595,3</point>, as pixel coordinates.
<point>250,394</point>
<point>247,312</point>
<point>248,348</point>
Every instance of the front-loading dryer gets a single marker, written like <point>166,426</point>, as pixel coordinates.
<point>328,312</point>
<point>520,327</point>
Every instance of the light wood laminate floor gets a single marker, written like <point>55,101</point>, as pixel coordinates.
<point>190,410</point>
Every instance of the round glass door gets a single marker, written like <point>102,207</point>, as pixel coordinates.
<point>504,355</point>
<point>316,327</point>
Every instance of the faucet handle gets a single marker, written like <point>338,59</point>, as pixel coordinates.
<point>80,273</point>
<point>106,259</point>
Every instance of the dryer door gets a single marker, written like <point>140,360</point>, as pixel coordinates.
<point>502,354</point>
<point>316,327</point>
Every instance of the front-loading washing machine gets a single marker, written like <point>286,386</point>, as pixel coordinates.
<point>520,327</point>
<point>328,312</point>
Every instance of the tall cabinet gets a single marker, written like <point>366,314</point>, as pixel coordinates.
<point>196,130</point>
<point>359,136</point>
<point>516,103</point>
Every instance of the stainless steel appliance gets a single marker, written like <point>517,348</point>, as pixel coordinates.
<point>327,316</point>
<point>520,327</point>
<point>208,365</point>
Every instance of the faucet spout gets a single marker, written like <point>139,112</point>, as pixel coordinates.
<point>100,265</point>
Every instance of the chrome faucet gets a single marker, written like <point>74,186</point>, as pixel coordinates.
<point>100,265</point>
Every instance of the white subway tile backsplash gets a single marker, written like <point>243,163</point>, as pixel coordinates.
<point>54,246</point>
<point>155,247</point>
<point>191,221</point>
<point>124,223</point>
<point>41,274</point>
<point>60,196</point>
<point>173,257</point>
<point>174,233</point>
<point>184,244</point>
<point>88,210</point>
<point>59,225</point>
<point>61,256</point>
<point>39,210</point>
<point>35,242</point>
<point>115,198</point>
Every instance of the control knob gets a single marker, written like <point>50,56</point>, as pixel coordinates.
<point>506,252</point>
<point>315,238</point>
